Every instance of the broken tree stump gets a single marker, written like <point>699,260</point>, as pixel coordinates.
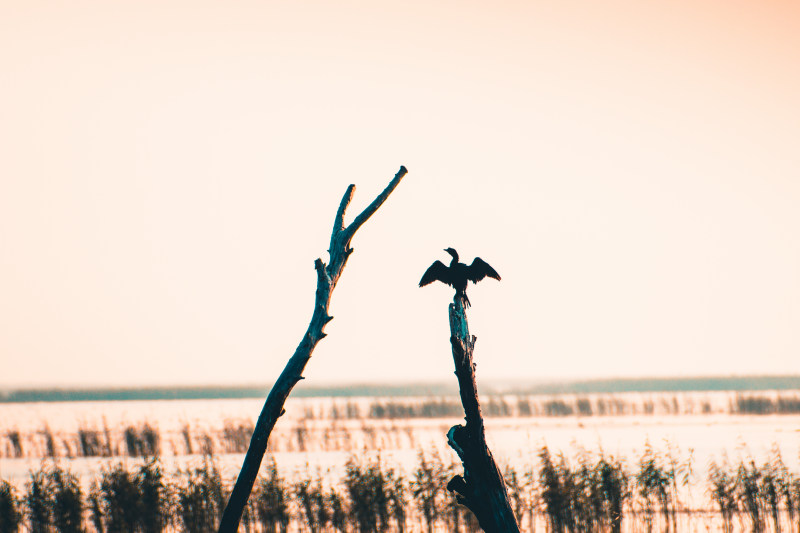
<point>481,489</point>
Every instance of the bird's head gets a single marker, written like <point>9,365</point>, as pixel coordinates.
<point>452,252</point>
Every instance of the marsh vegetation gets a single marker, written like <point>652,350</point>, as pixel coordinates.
<point>587,491</point>
<point>352,424</point>
<point>371,464</point>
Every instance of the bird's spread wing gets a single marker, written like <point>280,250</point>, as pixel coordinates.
<point>436,272</point>
<point>479,269</point>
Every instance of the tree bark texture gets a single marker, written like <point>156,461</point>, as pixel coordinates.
<point>327,277</point>
<point>481,489</point>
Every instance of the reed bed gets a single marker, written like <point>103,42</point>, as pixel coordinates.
<point>785,402</point>
<point>755,404</point>
<point>588,491</point>
<point>349,425</point>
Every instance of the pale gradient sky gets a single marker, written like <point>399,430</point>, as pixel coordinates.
<point>169,171</point>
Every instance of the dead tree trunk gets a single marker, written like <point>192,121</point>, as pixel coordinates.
<point>327,277</point>
<point>481,489</point>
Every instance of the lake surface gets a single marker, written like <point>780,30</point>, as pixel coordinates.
<point>313,435</point>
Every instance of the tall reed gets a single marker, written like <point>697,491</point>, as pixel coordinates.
<point>554,492</point>
<point>67,501</point>
<point>588,497</point>
<point>611,482</point>
<point>311,497</point>
<point>368,486</point>
<point>586,492</point>
<point>16,442</point>
<point>723,491</point>
<point>427,488</point>
<point>130,500</point>
<point>90,443</point>
<point>39,502</point>
<point>271,501</point>
<point>655,484</point>
<point>142,441</point>
<point>201,497</point>
<point>10,515</point>
<point>749,494</point>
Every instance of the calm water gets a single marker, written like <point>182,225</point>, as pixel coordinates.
<point>327,443</point>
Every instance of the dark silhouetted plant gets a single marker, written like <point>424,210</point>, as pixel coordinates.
<point>589,497</point>
<point>789,488</point>
<point>584,406</point>
<point>771,492</point>
<point>236,436</point>
<point>155,498</point>
<point>367,495</point>
<point>654,482</point>
<point>118,499</point>
<point>130,500</point>
<point>186,433</point>
<point>338,515</point>
<point>611,483</point>
<point>398,501</point>
<point>271,501</point>
<point>67,503</point>
<point>553,492</point>
<point>748,480</point>
<point>427,489</point>
<point>144,441</point>
<point>593,493</point>
<point>453,512</point>
<point>722,486</point>
<point>516,492</point>
<point>311,498</point>
<point>16,442</point>
<point>49,442</point>
<point>201,498</point>
<point>39,502</point>
<point>95,505</point>
<point>531,496</point>
<point>557,407</point>
<point>89,443</point>
<point>10,515</point>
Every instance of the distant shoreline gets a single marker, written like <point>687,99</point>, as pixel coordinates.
<point>607,385</point>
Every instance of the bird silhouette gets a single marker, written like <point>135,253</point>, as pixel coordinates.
<point>458,274</point>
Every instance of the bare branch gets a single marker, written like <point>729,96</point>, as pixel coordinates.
<point>338,222</point>
<point>376,203</point>
<point>327,276</point>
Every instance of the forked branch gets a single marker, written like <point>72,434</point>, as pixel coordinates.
<point>327,277</point>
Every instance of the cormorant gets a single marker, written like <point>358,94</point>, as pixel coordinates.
<point>457,274</point>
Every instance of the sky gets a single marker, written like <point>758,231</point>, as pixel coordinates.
<point>170,170</point>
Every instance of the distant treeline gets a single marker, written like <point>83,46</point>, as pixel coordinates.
<point>215,392</point>
<point>616,385</point>
<point>695,384</point>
